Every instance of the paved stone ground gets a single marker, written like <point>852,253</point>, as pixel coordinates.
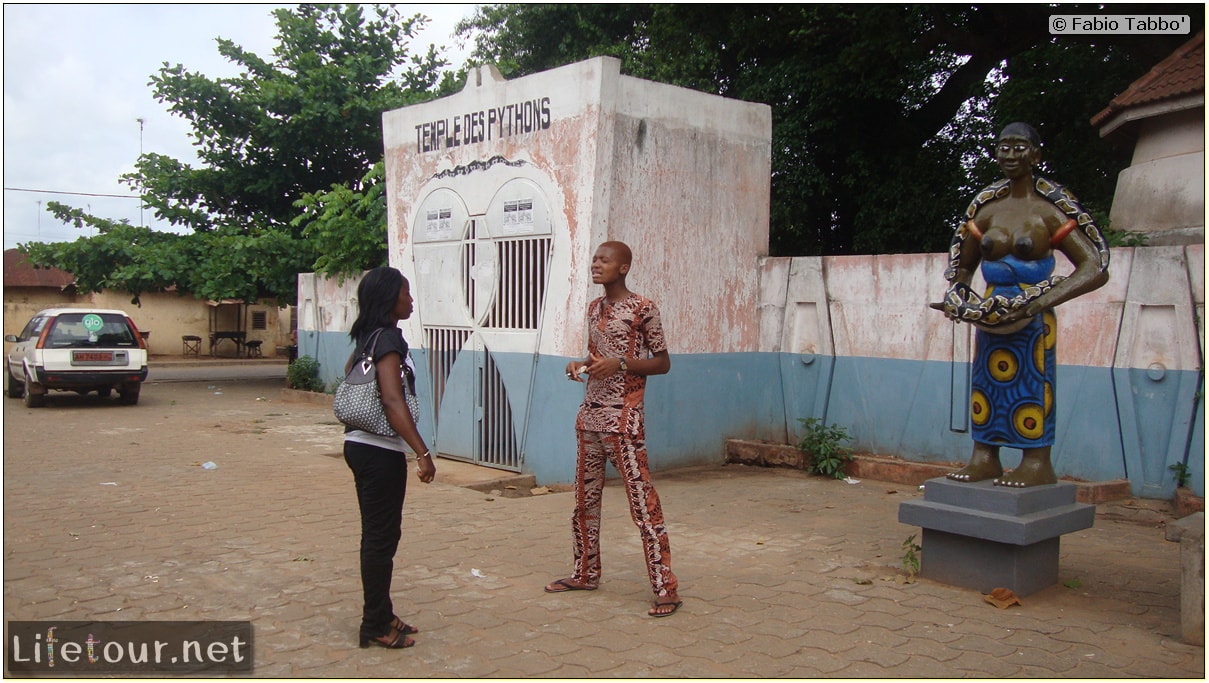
<point>109,516</point>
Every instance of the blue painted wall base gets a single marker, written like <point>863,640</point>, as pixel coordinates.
<point>889,407</point>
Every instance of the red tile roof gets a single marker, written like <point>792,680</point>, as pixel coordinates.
<point>18,272</point>
<point>1181,74</point>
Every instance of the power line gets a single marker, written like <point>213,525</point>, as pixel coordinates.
<point>81,194</point>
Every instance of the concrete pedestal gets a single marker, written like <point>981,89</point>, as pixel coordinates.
<point>981,536</point>
<point>1189,532</point>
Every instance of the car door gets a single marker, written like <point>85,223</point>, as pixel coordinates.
<point>22,351</point>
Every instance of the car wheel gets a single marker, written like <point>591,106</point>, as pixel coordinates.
<point>33,399</point>
<point>105,392</point>
<point>130,395</point>
<point>15,389</point>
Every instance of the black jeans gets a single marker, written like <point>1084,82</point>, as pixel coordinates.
<point>381,479</point>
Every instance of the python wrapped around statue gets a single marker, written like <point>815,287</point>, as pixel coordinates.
<point>1011,231</point>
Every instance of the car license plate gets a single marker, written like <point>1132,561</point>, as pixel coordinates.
<point>96,358</point>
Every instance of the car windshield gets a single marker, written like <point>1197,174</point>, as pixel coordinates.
<point>90,330</point>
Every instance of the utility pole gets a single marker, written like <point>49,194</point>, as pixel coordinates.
<point>142,222</point>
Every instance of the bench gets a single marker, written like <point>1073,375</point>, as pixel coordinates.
<point>236,338</point>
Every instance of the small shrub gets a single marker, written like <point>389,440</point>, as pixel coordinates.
<point>911,551</point>
<point>303,374</point>
<point>824,446</point>
<point>1181,474</point>
<point>1125,238</point>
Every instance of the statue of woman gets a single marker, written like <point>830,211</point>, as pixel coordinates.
<point>1012,229</point>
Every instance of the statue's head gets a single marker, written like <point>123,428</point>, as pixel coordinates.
<point>1018,150</point>
<point>1023,131</point>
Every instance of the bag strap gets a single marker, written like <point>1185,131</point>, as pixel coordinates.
<point>371,343</point>
<point>358,355</point>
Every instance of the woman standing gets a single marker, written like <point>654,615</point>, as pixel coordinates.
<point>379,463</point>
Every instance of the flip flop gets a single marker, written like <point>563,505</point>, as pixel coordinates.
<point>674,605</point>
<point>567,586</point>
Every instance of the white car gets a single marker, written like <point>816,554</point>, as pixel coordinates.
<point>80,350</point>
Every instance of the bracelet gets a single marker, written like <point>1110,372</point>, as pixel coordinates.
<point>426,454</point>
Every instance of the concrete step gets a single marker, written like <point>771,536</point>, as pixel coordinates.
<point>895,470</point>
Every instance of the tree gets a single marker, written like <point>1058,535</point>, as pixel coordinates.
<point>292,140</point>
<point>216,264</point>
<point>882,114</point>
<point>334,223</point>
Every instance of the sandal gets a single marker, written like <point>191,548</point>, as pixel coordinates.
<point>568,584</point>
<point>658,610</point>
<point>395,640</point>
<point>403,627</point>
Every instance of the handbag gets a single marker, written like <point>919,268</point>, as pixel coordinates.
<point>358,400</point>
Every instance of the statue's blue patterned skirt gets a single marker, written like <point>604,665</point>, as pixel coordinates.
<point>1012,402</point>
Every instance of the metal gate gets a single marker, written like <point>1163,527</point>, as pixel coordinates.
<point>481,341</point>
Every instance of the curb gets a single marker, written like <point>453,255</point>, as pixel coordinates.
<point>299,396</point>
<point>1186,502</point>
<point>518,486</point>
<point>512,486</point>
<point>895,470</point>
<point>186,362</point>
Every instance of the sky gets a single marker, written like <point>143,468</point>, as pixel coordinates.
<point>76,84</point>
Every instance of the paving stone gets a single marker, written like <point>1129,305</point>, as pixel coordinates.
<point>938,651</point>
<point>811,662</point>
<point>711,651</point>
<point>885,621</point>
<point>1028,640</point>
<point>980,664</point>
<point>726,634</point>
<point>763,665</point>
<point>789,627</point>
<point>773,646</point>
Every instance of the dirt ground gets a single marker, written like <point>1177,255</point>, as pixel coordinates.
<point>218,421</point>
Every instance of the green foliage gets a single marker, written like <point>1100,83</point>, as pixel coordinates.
<point>910,559</point>
<point>217,264</point>
<point>1182,474</point>
<point>306,120</point>
<point>1084,79</point>
<point>1073,583</point>
<point>882,114</point>
<point>1126,238</point>
<point>347,228</point>
<point>824,446</point>
<point>290,177</point>
<point>121,257</point>
<point>303,374</point>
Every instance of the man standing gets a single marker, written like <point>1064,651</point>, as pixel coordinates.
<point>625,344</point>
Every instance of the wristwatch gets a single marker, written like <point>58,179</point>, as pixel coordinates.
<point>623,366</point>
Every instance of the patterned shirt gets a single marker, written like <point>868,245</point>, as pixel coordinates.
<point>630,328</point>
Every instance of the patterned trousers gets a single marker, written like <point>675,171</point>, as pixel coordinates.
<point>628,455</point>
